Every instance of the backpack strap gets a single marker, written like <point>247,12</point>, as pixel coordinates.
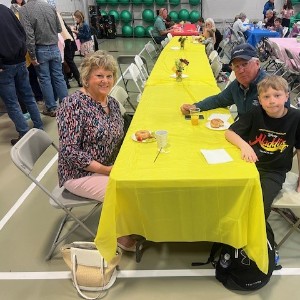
<point>211,259</point>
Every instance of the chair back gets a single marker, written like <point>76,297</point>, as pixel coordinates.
<point>163,43</point>
<point>30,148</point>
<point>216,67</point>
<point>212,56</point>
<point>140,64</point>
<point>170,36</point>
<point>151,50</point>
<point>136,76</point>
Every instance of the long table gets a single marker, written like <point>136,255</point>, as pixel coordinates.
<point>255,36</point>
<point>184,30</point>
<point>180,197</point>
<point>289,43</point>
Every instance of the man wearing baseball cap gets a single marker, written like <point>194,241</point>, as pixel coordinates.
<point>243,90</point>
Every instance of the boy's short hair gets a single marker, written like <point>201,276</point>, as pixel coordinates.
<point>278,20</point>
<point>273,81</point>
<point>201,20</point>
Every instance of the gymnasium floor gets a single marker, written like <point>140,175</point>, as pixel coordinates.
<point>28,222</point>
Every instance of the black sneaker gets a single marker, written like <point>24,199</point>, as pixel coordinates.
<point>50,113</point>
<point>14,141</point>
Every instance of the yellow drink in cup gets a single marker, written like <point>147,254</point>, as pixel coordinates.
<point>195,119</point>
<point>195,112</point>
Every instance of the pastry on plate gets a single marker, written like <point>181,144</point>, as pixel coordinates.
<point>142,135</point>
<point>216,123</point>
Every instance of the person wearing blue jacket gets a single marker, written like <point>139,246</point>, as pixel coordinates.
<point>243,90</point>
<point>269,5</point>
<point>14,78</point>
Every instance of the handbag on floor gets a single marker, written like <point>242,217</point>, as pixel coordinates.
<point>90,272</point>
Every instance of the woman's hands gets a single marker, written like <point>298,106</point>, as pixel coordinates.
<point>96,167</point>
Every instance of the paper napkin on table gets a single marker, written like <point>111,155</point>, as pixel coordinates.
<point>217,156</point>
<point>223,117</point>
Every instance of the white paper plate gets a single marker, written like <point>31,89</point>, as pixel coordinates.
<point>226,126</point>
<point>175,48</point>
<point>150,140</point>
<point>183,76</point>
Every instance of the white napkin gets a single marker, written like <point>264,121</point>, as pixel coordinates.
<point>223,117</point>
<point>217,156</point>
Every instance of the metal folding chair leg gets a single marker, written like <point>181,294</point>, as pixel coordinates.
<point>57,240</point>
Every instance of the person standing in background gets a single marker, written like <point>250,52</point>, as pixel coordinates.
<point>42,26</point>
<point>286,12</point>
<point>269,5</point>
<point>14,78</point>
<point>15,6</point>
<point>69,49</point>
<point>83,33</point>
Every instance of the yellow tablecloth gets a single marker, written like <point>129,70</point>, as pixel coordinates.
<point>180,197</point>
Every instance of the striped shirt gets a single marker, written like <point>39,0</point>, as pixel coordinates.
<point>41,25</point>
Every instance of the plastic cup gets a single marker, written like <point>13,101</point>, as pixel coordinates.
<point>161,139</point>
<point>195,112</point>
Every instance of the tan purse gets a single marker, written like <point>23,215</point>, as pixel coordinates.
<point>90,272</point>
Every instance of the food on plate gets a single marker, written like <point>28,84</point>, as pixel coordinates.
<point>216,123</point>
<point>142,135</point>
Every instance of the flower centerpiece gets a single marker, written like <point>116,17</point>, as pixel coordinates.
<point>179,67</point>
<point>182,40</point>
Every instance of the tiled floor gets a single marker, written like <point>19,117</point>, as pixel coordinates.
<point>28,222</point>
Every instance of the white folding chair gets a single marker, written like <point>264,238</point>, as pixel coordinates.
<point>285,31</point>
<point>158,46</point>
<point>137,79</point>
<point>140,64</point>
<point>150,49</point>
<point>25,154</point>
<point>216,67</point>
<point>120,94</point>
<point>124,62</point>
<point>287,204</point>
<point>170,36</point>
<point>230,79</point>
<point>212,56</point>
<point>163,43</point>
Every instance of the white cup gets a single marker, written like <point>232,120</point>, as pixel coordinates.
<point>162,139</point>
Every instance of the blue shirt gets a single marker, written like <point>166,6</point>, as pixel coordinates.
<point>159,25</point>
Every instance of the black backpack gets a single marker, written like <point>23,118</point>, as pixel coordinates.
<point>236,270</point>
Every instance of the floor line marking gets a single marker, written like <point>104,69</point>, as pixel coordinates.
<point>132,274</point>
<point>23,197</point>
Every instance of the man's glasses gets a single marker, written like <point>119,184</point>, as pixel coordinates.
<point>243,66</point>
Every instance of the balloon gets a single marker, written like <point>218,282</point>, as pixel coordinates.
<point>194,16</point>
<point>148,2</point>
<point>112,2</point>
<point>148,15</point>
<point>160,2</point>
<point>115,14</point>
<point>174,2</point>
<point>127,30</point>
<point>101,2</point>
<point>183,15</point>
<point>103,12</point>
<point>194,2</point>
<point>125,16</point>
<point>147,30</point>
<point>139,31</point>
<point>174,16</point>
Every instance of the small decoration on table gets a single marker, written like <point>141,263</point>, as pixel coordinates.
<point>179,67</point>
<point>182,40</point>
